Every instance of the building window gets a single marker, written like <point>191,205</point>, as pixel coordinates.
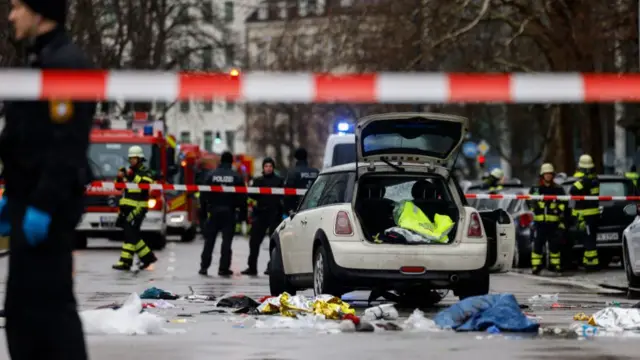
<point>230,136</point>
<point>229,54</point>
<point>303,7</point>
<point>185,137</point>
<point>207,105</point>
<point>312,6</point>
<point>207,58</point>
<point>283,9</point>
<point>207,11</point>
<point>208,141</point>
<point>263,11</point>
<point>230,105</point>
<point>261,55</point>
<point>346,3</point>
<point>185,105</point>
<point>228,11</point>
<point>322,4</point>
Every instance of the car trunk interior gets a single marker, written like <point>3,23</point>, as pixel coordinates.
<point>378,194</point>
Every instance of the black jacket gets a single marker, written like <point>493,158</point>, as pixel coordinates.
<point>44,143</point>
<point>224,175</point>
<point>268,204</point>
<point>554,211</point>
<point>301,176</point>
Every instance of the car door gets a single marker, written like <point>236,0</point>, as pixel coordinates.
<point>292,237</point>
<point>425,138</point>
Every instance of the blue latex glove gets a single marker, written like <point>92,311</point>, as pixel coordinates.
<point>36,225</point>
<point>5,225</point>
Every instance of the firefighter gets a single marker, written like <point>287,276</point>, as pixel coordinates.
<point>133,208</point>
<point>301,176</point>
<point>549,221</point>
<point>43,147</point>
<point>633,175</point>
<point>586,214</point>
<point>493,183</point>
<point>221,214</point>
<point>266,214</point>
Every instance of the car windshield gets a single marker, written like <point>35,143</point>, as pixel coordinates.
<point>343,154</point>
<point>107,158</point>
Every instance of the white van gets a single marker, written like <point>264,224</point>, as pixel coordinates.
<point>340,150</point>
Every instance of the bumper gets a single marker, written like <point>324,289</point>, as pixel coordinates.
<point>608,242</point>
<point>362,255</point>
<point>178,220</point>
<point>358,269</point>
<point>104,223</point>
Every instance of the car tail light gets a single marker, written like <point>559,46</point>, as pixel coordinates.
<point>526,220</point>
<point>475,226</point>
<point>343,224</point>
<point>412,269</point>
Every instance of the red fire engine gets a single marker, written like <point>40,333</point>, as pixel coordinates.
<point>108,152</point>
<point>182,207</point>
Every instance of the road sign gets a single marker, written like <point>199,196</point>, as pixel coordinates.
<point>470,149</point>
<point>483,147</point>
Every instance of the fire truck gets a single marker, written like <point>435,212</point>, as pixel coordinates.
<point>182,207</point>
<point>108,152</point>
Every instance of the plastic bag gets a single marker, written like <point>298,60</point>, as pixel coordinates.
<point>127,320</point>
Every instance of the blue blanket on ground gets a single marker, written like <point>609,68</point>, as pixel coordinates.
<point>481,312</point>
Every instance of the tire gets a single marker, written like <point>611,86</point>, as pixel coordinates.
<point>632,279</point>
<point>188,235</point>
<point>478,285</point>
<point>278,282</point>
<point>323,281</point>
<point>422,297</point>
<point>156,241</point>
<point>80,241</point>
<point>521,256</point>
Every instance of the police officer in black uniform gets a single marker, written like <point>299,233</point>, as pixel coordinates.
<point>43,147</point>
<point>221,211</point>
<point>549,220</point>
<point>267,213</point>
<point>301,176</point>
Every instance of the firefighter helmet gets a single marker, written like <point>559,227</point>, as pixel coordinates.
<point>585,162</point>
<point>136,151</point>
<point>497,173</point>
<point>546,168</point>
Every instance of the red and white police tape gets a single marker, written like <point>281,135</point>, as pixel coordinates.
<point>320,88</point>
<point>107,186</point>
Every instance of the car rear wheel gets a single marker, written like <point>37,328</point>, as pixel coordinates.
<point>478,285</point>
<point>521,256</point>
<point>278,282</point>
<point>323,280</point>
<point>632,279</point>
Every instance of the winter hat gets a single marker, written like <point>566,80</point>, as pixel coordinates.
<point>226,158</point>
<point>268,160</point>
<point>301,154</point>
<point>55,10</point>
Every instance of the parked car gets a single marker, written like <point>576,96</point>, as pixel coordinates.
<point>613,219</point>
<point>631,250</point>
<point>523,218</point>
<point>330,244</point>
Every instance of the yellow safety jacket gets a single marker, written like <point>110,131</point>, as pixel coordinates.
<point>586,185</point>
<point>137,198</point>
<point>408,216</point>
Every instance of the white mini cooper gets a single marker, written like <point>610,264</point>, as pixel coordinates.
<point>331,244</point>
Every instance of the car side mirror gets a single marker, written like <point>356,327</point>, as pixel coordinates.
<point>631,210</point>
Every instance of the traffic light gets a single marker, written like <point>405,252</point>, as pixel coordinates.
<point>481,161</point>
<point>218,139</point>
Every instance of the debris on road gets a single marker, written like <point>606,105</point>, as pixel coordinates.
<point>154,293</point>
<point>194,297</point>
<point>381,312</point>
<point>160,304</point>
<point>129,319</point>
<point>543,300</point>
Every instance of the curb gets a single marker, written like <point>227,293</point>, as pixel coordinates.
<point>567,282</point>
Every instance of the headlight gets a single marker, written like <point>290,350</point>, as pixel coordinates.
<point>152,203</point>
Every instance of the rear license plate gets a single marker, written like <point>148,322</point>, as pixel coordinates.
<point>607,237</point>
<point>108,221</point>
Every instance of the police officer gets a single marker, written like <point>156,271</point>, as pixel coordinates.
<point>586,214</point>
<point>133,209</point>
<point>301,176</point>
<point>267,213</point>
<point>493,183</point>
<point>43,147</point>
<point>221,211</point>
<point>549,220</point>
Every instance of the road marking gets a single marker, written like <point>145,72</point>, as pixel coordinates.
<point>560,281</point>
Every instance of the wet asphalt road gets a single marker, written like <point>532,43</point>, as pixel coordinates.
<point>221,336</point>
